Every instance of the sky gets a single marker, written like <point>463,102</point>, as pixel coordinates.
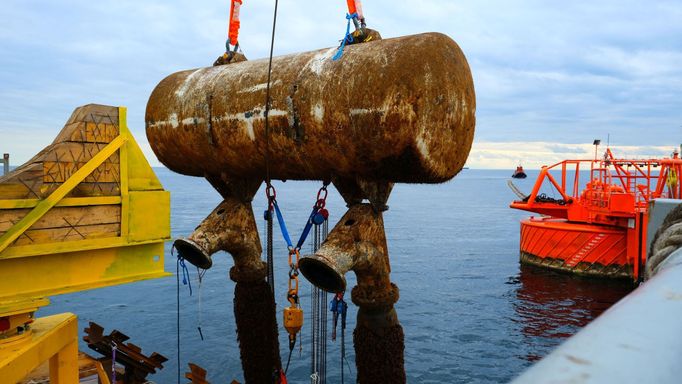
<point>550,77</point>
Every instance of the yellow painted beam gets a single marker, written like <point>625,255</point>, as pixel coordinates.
<point>22,305</point>
<point>59,273</point>
<point>71,246</point>
<point>54,338</point>
<point>64,364</point>
<point>148,215</point>
<point>65,202</point>
<point>49,202</point>
<point>123,167</point>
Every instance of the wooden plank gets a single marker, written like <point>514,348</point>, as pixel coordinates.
<point>91,132</point>
<point>60,172</point>
<point>22,183</point>
<point>14,191</point>
<point>83,190</point>
<point>61,192</point>
<point>86,368</point>
<point>94,112</point>
<point>91,113</point>
<point>66,202</point>
<point>64,159</point>
<point>76,233</point>
<point>64,217</point>
<point>73,152</point>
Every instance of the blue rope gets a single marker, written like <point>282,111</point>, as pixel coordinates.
<point>282,225</point>
<point>185,274</point>
<point>285,231</point>
<point>347,38</point>
<point>306,229</point>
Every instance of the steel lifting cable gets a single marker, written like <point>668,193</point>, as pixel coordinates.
<point>323,336</point>
<point>320,319</point>
<point>323,313</point>
<point>313,333</point>
<point>267,99</point>
<point>318,355</point>
<point>313,323</point>
<point>269,251</point>
<point>314,376</point>
<point>269,188</point>
<point>292,294</point>
<point>318,298</point>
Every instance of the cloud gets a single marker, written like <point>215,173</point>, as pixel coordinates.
<point>535,154</point>
<point>544,72</point>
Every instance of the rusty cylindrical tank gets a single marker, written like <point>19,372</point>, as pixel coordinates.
<point>400,109</point>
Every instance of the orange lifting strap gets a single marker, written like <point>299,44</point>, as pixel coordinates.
<point>233,33</point>
<point>355,6</point>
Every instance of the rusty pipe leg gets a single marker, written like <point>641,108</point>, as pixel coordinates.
<point>379,346</point>
<point>231,227</point>
<point>358,243</point>
<point>254,312</point>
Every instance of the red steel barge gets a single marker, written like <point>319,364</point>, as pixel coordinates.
<point>601,230</point>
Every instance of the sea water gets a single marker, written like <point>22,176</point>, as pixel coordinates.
<point>470,312</point>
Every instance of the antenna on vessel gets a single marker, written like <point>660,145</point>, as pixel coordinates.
<point>608,140</point>
<point>596,147</point>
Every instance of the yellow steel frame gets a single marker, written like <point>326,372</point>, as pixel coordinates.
<point>72,266</point>
<point>30,272</point>
<point>54,338</point>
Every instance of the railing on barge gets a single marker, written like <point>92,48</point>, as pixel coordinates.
<point>616,191</point>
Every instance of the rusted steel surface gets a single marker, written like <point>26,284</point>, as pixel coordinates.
<point>401,110</point>
<point>357,243</point>
<point>379,357</point>
<point>196,374</point>
<point>137,365</point>
<point>233,57</point>
<point>254,312</point>
<point>612,271</point>
<point>231,227</point>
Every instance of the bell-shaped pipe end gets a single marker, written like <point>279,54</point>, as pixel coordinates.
<point>321,272</point>
<point>192,252</point>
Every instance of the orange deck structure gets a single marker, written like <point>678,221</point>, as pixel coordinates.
<point>601,230</point>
